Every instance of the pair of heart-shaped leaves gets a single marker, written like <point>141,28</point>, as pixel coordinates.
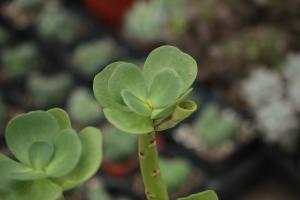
<point>51,156</point>
<point>133,99</point>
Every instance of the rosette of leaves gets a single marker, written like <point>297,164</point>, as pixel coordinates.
<point>214,128</point>
<point>58,25</point>
<point>142,101</point>
<point>90,57</point>
<point>178,166</point>
<point>83,108</point>
<point>50,156</point>
<point>19,60</point>
<point>116,151</point>
<point>48,90</point>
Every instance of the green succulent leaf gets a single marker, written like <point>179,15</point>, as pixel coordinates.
<point>67,153</point>
<point>129,122</point>
<point>40,154</point>
<point>206,195</point>
<point>127,76</point>
<point>37,190</point>
<point>100,87</point>
<point>171,58</point>
<point>25,129</point>
<point>91,157</point>
<point>166,87</point>
<point>135,104</point>
<point>61,117</point>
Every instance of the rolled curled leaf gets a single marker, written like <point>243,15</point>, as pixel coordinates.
<point>183,110</point>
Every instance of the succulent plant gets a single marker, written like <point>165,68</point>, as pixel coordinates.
<point>19,60</point>
<point>262,87</point>
<point>278,123</point>
<point>90,57</point>
<point>116,151</point>
<point>49,90</point>
<point>151,21</point>
<point>51,156</point>
<point>214,128</point>
<point>29,6</point>
<point>57,25</point>
<point>143,101</point>
<point>177,166</point>
<point>83,108</point>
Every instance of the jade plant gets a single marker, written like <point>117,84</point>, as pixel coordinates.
<point>146,101</point>
<point>89,58</point>
<point>50,156</point>
<point>83,108</point>
<point>48,90</point>
<point>17,61</point>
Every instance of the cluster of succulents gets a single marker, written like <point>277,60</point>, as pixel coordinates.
<point>45,90</point>
<point>58,25</point>
<point>153,21</point>
<point>17,61</point>
<point>90,57</point>
<point>83,108</point>
<point>274,98</point>
<point>51,156</point>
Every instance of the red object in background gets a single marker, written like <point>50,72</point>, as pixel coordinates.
<point>110,12</point>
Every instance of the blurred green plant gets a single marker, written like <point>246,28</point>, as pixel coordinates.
<point>83,108</point>
<point>143,101</point>
<point>49,90</point>
<point>116,151</point>
<point>90,57</point>
<point>4,36</point>
<point>29,6</point>
<point>175,172</point>
<point>153,21</point>
<point>58,25</point>
<point>17,61</point>
<point>51,156</point>
<point>214,128</point>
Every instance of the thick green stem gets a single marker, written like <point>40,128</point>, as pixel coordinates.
<point>155,188</point>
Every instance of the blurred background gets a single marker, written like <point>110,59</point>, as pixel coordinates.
<point>244,139</point>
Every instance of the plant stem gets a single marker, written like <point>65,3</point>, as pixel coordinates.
<point>155,188</point>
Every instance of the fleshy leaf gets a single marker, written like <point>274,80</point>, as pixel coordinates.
<point>61,117</point>
<point>164,112</point>
<point>91,157</point>
<point>129,122</point>
<point>100,87</point>
<point>170,57</point>
<point>40,189</point>
<point>25,129</point>
<point>127,76</point>
<point>166,87</point>
<point>40,154</point>
<point>135,104</point>
<point>206,195</point>
<point>67,153</point>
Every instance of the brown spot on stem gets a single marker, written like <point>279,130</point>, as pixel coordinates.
<point>152,144</point>
<point>155,173</point>
<point>142,155</point>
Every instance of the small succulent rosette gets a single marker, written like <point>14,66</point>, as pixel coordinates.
<point>50,156</point>
<point>150,99</point>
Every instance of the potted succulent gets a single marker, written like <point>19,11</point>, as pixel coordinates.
<point>17,61</point>
<point>51,156</point>
<point>90,57</point>
<point>83,108</point>
<point>45,90</point>
<point>145,102</point>
<point>151,23</point>
<point>120,158</point>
